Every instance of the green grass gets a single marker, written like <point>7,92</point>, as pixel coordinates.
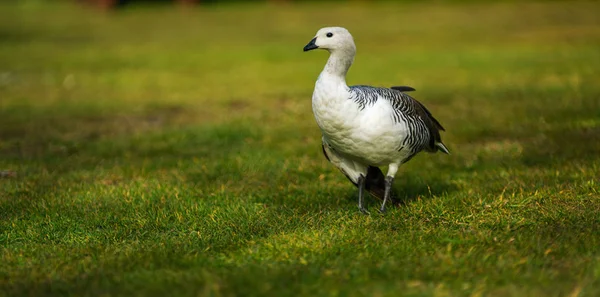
<point>174,153</point>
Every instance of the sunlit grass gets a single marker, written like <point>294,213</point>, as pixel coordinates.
<point>159,151</point>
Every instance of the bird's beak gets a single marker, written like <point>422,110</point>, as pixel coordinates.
<point>311,45</point>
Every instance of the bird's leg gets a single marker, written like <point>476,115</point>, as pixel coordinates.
<point>389,179</point>
<point>388,187</point>
<point>361,194</point>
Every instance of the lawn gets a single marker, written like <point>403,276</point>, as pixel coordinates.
<point>156,151</point>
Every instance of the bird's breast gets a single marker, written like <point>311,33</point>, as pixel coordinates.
<point>368,134</point>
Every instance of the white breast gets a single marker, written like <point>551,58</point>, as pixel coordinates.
<point>369,135</point>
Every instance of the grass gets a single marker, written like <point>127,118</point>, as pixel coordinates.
<point>168,152</point>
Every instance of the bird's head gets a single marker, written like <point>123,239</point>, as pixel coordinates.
<point>332,39</point>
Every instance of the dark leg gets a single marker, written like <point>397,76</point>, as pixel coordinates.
<point>388,187</point>
<point>361,194</point>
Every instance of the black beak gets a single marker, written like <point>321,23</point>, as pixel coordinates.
<point>311,45</point>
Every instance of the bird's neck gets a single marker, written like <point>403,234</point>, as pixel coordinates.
<point>338,64</point>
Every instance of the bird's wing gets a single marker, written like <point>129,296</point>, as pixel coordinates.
<point>405,108</point>
<point>411,106</point>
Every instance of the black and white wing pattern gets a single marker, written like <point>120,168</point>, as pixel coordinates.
<point>424,129</point>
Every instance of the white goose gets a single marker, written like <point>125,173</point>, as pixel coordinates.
<point>365,127</point>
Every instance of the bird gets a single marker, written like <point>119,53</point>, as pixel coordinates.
<point>365,127</point>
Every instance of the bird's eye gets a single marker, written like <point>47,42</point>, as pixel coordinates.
<point>329,34</point>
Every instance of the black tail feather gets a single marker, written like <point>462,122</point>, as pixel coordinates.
<point>403,88</point>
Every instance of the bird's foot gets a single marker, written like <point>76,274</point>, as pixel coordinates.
<point>382,210</point>
<point>364,211</point>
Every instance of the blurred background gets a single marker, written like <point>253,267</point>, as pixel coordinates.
<point>492,71</point>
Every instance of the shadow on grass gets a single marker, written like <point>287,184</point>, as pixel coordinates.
<point>56,155</point>
<point>19,35</point>
<point>28,134</point>
<point>411,188</point>
<point>324,199</point>
<point>562,145</point>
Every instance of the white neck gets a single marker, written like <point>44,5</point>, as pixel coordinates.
<point>337,65</point>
